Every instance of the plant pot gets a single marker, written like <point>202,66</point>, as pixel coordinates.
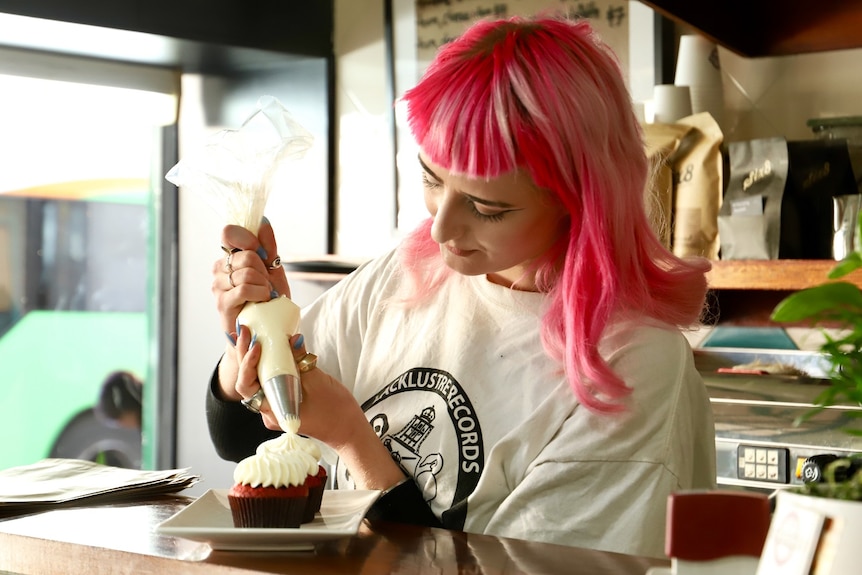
<point>790,541</point>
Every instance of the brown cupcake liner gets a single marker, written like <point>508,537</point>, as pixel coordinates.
<point>268,512</point>
<point>315,498</point>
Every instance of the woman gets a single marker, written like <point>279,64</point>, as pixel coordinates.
<point>519,356</point>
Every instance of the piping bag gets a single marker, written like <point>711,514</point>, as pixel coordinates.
<point>233,172</point>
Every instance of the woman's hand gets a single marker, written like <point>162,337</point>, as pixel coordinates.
<point>328,412</point>
<point>331,414</point>
<point>249,271</point>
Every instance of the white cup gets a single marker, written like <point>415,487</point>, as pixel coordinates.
<point>698,67</point>
<point>670,103</point>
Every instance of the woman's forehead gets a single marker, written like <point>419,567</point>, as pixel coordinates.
<point>513,187</point>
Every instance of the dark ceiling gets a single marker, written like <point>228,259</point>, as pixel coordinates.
<point>200,36</point>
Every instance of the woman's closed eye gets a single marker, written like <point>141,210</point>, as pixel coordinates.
<point>429,182</point>
<point>476,209</point>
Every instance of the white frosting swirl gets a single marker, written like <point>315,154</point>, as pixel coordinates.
<point>290,442</point>
<point>279,462</point>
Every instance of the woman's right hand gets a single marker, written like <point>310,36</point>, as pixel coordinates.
<point>248,271</point>
<point>247,274</point>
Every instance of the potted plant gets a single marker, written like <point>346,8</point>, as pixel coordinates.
<point>834,304</point>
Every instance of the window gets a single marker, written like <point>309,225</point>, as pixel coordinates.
<point>80,265</point>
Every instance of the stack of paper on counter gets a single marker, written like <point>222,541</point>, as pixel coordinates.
<point>61,482</point>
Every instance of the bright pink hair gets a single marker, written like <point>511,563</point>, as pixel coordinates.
<point>547,96</point>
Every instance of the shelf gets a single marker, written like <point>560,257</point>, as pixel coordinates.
<point>770,27</point>
<point>327,269</point>
<point>745,292</point>
<point>787,275</point>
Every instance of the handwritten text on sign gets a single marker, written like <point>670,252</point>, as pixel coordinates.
<point>441,21</point>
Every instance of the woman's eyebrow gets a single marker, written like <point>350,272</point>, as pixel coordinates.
<point>427,169</point>
<point>484,202</point>
<point>489,203</point>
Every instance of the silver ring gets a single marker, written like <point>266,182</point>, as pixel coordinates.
<point>307,362</point>
<point>276,263</point>
<point>228,268</point>
<point>230,278</point>
<point>254,402</point>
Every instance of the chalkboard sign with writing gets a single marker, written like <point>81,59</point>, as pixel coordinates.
<point>440,21</point>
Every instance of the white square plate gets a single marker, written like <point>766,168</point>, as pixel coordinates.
<point>208,519</point>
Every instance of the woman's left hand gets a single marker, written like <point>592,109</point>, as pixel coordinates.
<point>328,411</point>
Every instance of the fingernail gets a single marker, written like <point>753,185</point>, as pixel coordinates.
<point>273,294</point>
<point>237,327</point>
<point>299,341</point>
<point>261,252</point>
<point>253,340</point>
<point>264,220</point>
<point>231,339</point>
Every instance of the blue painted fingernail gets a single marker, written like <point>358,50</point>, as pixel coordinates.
<point>273,294</point>
<point>264,220</point>
<point>237,327</point>
<point>231,339</point>
<point>253,340</point>
<point>299,341</point>
<point>261,252</point>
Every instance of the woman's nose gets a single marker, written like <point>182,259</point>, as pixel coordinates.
<point>447,224</point>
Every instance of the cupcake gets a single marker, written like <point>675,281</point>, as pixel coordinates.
<point>273,507</point>
<point>316,480</point>
<point>316,485</point>
<point>270,487</point>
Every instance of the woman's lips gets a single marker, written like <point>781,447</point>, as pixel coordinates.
<point>458,251</point>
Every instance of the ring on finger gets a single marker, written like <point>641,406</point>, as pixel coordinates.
<point>228,267</point>
<point>230,278</point>
<point>254,402</point>
<point>306,363</point>
<point>230,250</point>
<point>276,263</point>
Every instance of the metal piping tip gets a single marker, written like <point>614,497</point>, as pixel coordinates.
<point>284,393</point>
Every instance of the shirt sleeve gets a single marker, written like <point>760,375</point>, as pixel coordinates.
<point>404,503</point>
<point>603,481</point>
<point>616,507</point>
<point>235,431</point>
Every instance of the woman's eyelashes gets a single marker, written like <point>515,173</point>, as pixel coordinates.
<point>432,184</point>
<point>494,217</point>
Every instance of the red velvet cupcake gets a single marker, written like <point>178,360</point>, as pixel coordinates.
<point>316,485</point>
<point>273,507</point>
<point>280,486</point>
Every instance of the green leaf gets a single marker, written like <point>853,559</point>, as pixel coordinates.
<point>851,263</point>
<point>830,300</point>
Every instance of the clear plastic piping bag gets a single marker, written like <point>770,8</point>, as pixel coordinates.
<point>233,170</point>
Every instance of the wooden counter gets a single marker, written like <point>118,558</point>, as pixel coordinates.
<point>120,538</point>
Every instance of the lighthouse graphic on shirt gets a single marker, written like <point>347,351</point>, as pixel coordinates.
<point>427,422</point>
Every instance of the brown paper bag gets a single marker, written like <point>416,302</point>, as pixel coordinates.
<point>697,166</point>
<point>661,141</point>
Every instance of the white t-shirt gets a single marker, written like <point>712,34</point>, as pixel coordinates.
<point>463,394</point>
